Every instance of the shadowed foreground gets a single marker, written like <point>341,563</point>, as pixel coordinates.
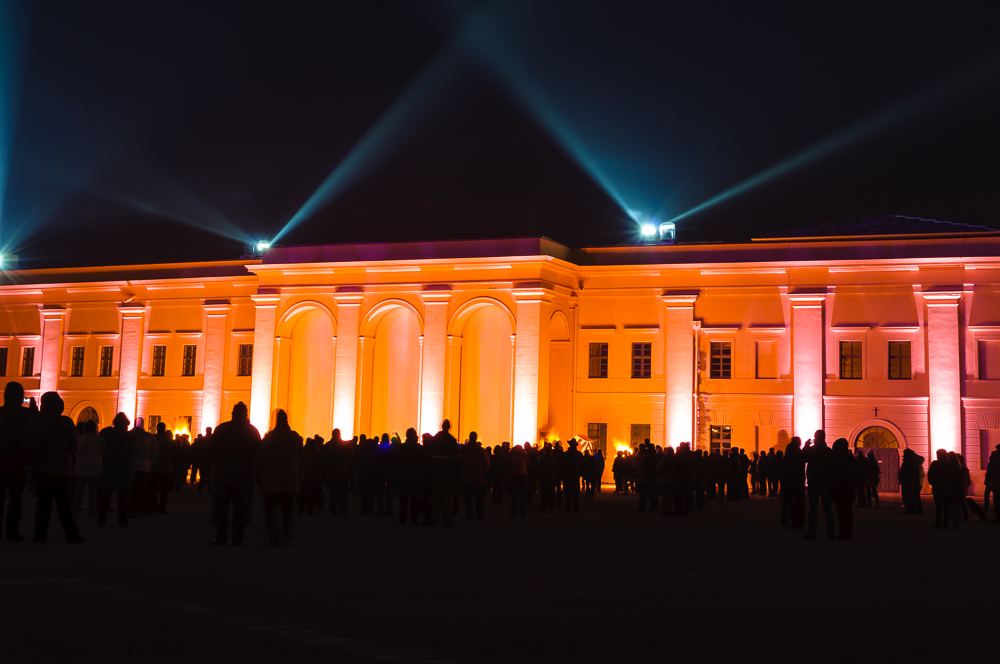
<point>601,585</point>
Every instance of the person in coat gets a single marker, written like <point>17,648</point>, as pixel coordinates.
<point>234,450</point>
<point>88,468</point>
<point>338,456</point>
<point>279,466</point>
<point>116,470</point>
<point>161,470</point>
<point>517,481</point>
<point>843,476</point>
<point>942,476</point>
<point>51,439</point>
<point>817,457</point>
<point>570,468</point>
<point>14,419</point>
<point>144,450</point>
<point>475,470</point>
<point>991,483</point>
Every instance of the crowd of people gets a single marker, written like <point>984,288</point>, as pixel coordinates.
<point>424,479</point>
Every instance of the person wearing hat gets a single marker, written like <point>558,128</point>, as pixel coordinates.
<point>51,441</point>
<point>572,463</point>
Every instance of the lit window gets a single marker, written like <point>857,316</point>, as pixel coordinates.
<point>159,360</point>
<point>638,434</point>
<point>642,360</point>
<point>246,360</point>
<point>899,360</point>
<point>190,353</point>
<point>722,360</point>
<point>720,438</point>
<point>107,355</point>
<point>850,360</point>
<point>3,361</point>
<point>152,421</point>
<point>598,432</point>
<point>598,360</point>
<point>28,362</point>
<point>76,363</point>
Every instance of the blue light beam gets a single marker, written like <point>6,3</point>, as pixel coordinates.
<point>392,129</point>
<point>10,31</point>
<point>907,109</point>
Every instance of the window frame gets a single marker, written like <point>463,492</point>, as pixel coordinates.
<point>26,370</point>
<point>724,373</point>
<point>158,365</point>
<point>189,364</point>
<point>852,357</point>
<point>908,359</point>
<point>76,361</point>
<point>106,370</point>
<point>645,431</point>
<point>602,359</point>
<point>644,359</point>
<point>240,359</point>
<point>724,438</point>
<point>4,357</point>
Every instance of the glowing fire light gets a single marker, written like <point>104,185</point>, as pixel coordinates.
<point>622,447</point>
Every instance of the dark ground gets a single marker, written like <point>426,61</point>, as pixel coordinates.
<point>606,584</point>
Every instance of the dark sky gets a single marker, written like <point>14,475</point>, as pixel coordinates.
<point>149,131</point>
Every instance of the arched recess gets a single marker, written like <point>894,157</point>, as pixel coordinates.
<point>560,414</point>
<point>304,357</point>
<point>86,410</point>
<point>892,428</point>
<point>391,361</point>
<point>481,354</point>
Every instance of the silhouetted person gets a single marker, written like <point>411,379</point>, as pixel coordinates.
<point>547,477</point>
<point>873,478</point>
<point>843,475</point>
<point>161,470</point>
<point>144,450</point>
<point>700,473</point>
<point>14,418</point>
<point>279,466</point>
<point>942,476</point>
<point>312,476</point>
<point>572,462</point>
<point>87,468</point>
<point>234,449</point>
<point>910,483</point>
<point>116,470</point>
<point>665,479</point>
<point>818,461</point>
<point>409,464</point>
<point>964,484</point>
<point>793,485</point>
<point>51,440</point>
<point>991,484</point>
<point>445,469</point>
<point>475,470</point>
<point>683,480</point>
<point>517,481</point>
<point>598,470</point>
<point>338,456</point>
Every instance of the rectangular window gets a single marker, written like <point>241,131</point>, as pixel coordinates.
<point>183,425</point>
<point>28,362</point>
<point>76,362</point>
<point>3,361</point>
<point>598,360</point>
<point>989,359</point>
<point>246,360</point>
<point>642,360</point>
<point>190,353</point>
<point>159,360</point>
<point>598,432</point>
<point>899,360</point>
<point>722,359</point>
<point>151,423</point>
<point>720,438</point>
<point>639,434</point>
<point>850,360</point>
<point>767,359</point>
<point>107,356</point>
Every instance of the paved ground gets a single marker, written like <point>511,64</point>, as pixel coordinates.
<point>607,584</point>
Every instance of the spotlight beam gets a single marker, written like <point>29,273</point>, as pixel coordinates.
<point>907,109</point>
<point>10,31</point>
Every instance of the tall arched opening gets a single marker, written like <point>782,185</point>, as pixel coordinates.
<point>484,362</point>
<point>390,383</point>
<point>560,386</point>
<point>304,388</point>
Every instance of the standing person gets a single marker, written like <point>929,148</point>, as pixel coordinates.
<point>88,468</point>
<point>942,477</point>
<point>517,481</point>
<point>817,459</point>
<point>598,470</point>
<point>992,483</point>
<point>843,475</point>
<point>665,479</point>
<point>312,476</point>
<point>409,463</point>
<point>793,485</point>
<point>14,418</point>
<point>547,478</point>
<point>874,478</point>
<point>571,462</point>
<point>700,471</point>
<point>861,468</point>
<point>618,472</point>
<point>445,471</point>
<point>234,449</point>
<point>51,440</point>
<point>116,470</point>
<point>144,449</point>
<point>475,470</point>
<point>279,466</point>
<point>587,472</point>
<point>161,470</point>
<point>337,458</point>
<point>683,480</point>
<point>182,462</point>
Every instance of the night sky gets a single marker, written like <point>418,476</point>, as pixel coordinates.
<point>139,132</point>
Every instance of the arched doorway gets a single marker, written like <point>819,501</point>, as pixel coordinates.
<point>484,361</point>
<point>560,393</point>
<point>305,365</point>
<point>884,441</point>
<point>88,413</point>
<point>390,384</point>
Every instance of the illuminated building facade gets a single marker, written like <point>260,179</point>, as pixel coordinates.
<point>889,339</point>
